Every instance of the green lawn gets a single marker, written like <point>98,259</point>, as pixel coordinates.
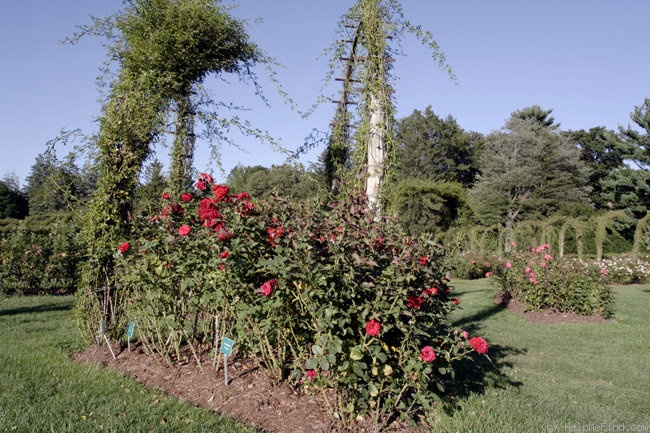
<point>556,377</point>
<point>563,377</point>
<point>42,390</point>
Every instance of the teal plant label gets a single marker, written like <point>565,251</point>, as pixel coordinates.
<point>226,346</point>
<point>129,330</point>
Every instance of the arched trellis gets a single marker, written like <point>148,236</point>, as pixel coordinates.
<point>602,223</point>
<point>486,232</point>
<point>578,225</point>
<point>642,226</point>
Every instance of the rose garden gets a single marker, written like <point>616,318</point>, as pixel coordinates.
<point>416,278</point>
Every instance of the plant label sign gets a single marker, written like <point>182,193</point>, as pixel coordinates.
<point>129,330</point>
<point>226,346</point>
<point>226,349</point>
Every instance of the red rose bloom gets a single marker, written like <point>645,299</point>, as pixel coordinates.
<point>423,261</point>
<point>243,195</point>
<point>220,191</point>
<point>246,208</point>
<point>414,301</point>
<point>427,354</point>
<point>479,344</point>
<point>274,234</point>
<point>373,327</point>
<point>165,196</point>
<point>208,212</point>
<point>455,301</point>
<point>206,177</point>
<point>224,255</point>
<point>200,185</point>
<point>184,230</point>
<point>124,247</point>
<point>186,197</point>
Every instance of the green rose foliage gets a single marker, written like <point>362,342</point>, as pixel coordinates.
<point>321,296</point>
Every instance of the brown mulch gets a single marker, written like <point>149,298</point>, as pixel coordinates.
<point>546,316</point>
<point>250,397</point>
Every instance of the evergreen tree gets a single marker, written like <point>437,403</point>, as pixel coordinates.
<point>602,151</point>
<point>431,148</point>
<point>13,203</point>
<point>528,171</point>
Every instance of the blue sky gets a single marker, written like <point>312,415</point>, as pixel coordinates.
<point>585,59</point>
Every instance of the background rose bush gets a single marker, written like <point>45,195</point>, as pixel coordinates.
<point>540,280</point>
<point>321,296</point>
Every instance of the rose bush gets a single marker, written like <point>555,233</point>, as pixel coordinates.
<point>539,280</point>
<point>323,297</point>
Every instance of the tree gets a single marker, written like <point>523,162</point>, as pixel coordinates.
<point>537,114</point>
<point>53,185</point>
<point>13,203</point>
<point>628,190</point>
<point>528,171</point>
<point>429,147</point>
<point>286,180</point>
<point>150,189</point>
<point>602,151</point>
<point>639,142</point>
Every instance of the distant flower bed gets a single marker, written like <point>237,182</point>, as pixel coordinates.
<point>540,280</point>
<point>625,269</point>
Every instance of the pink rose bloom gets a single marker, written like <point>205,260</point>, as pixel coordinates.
<point>488,274</point>
<point>268,287</point>
<point>373,327</point>
<point>548,257</point>
<point>508,265</point>
<point>543,264</point>
<point>465,335</point>
<point>311,374</point>
<point>427,354</point>
<point>184,230</point>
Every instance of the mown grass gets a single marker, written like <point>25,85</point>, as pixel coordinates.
<point>543,377</point>
<point>555,377</point>
<point>43,390</point>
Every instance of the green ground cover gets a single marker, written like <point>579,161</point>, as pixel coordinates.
<point>544,377</point>
<point>43,390</point>
<point>557,377</point>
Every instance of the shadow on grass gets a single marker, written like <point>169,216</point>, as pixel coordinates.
<point>478,373</point>
<point>58,306</point>
<point>481,315</point>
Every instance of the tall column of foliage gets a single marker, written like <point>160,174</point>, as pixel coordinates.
<point>164,49</point>
<point>376,22</point>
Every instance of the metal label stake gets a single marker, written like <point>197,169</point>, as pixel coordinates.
<point>226,349</point>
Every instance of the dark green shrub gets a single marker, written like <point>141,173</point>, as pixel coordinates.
<point>322,297</point>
